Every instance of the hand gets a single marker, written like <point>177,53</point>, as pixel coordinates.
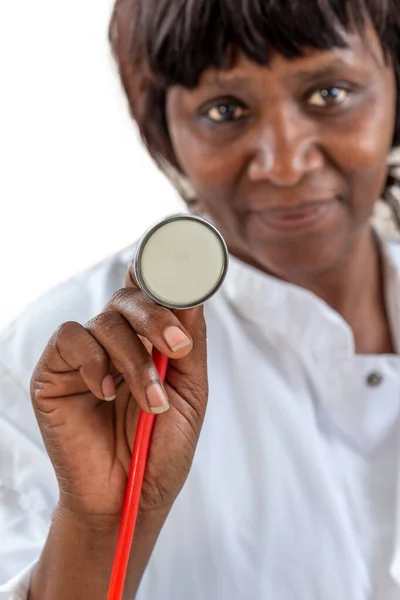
<point>89,439</point>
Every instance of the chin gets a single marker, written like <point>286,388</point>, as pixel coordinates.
<point>303,260</point>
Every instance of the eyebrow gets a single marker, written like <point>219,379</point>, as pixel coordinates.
<point>331,69</point>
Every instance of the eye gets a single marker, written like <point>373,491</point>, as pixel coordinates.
<point>225,112</point>
<point>329,96</point>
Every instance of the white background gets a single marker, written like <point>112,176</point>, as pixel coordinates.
<point>75,183</point>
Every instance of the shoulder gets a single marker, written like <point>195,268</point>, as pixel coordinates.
<point>77,299</point>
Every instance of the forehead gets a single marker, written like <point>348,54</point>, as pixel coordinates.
<point>362,53</point>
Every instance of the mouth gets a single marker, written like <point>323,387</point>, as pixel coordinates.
<point>297,218</point>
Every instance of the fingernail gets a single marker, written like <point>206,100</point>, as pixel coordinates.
<point>157,399</point>
<point>175,338</point>
<point>108,388</point>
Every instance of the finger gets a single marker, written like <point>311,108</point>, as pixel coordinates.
<point>72,348</point>
<point>131,359</point>
<point>188,375</point>
<point>160,326</point>
<point>131,282</point>
<point>193,321</point>
<point>130,279</point>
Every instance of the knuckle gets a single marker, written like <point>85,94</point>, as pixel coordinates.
<point>97,357</point>
<point>155,316</point>
<point>68,335</point>
<point>67,330</point>
<point>144,312</point>
<point>131,302</point>
<point>120,297</point>
<point>109,319</point>
<point>141,368</point>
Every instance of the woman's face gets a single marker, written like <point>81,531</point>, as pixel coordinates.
<point>289,160</point>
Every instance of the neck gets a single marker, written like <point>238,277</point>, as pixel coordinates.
<point>354,283</point>
<point>354,288</point>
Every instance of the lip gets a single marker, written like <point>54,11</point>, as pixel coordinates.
<point>298,217</point>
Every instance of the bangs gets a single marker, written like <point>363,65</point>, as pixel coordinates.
<point>182,38</point>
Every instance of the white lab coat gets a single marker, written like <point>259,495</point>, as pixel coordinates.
<point>293,494</point>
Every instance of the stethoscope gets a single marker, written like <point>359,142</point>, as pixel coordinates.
<point>179,263</point>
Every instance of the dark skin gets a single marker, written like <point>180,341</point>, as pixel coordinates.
<point>251,176</point>
<point>284,143</point>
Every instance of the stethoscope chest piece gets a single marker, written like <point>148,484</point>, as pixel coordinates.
<point>181,261</point>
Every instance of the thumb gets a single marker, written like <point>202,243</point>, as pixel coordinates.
<point>193,321</point>
<point>187,376</point>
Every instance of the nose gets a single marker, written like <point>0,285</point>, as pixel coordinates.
<point>284,151</point>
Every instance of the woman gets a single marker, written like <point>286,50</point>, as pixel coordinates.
<point>279,118</point>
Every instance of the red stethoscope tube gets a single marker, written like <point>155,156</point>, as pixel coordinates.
<point>133,491</point>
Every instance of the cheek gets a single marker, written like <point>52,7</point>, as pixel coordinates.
<point>365,171</point>
<point>211,168</point>
<point>361,149</point>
